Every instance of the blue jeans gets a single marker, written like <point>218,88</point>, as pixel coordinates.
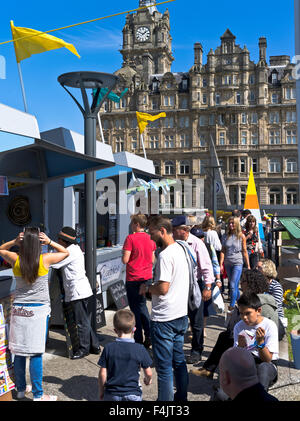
<point>138,305</point>
<point>234,273</point>
<point>167,345</point>
<point>109,397</point>
<point>35,371</point>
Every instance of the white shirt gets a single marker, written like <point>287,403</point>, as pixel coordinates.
<point>76,284</point>
<point>271,336</point>
<point>171,267</point>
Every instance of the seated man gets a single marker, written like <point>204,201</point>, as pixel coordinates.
<point>238,377</point>
<point>259,335</point>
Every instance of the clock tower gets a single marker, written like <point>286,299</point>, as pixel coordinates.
<point>147,42</point>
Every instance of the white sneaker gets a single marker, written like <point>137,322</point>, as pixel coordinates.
<point>46,398</point>
<point>21,394</point>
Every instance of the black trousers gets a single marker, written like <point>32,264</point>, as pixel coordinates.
<point>87,337</point>
<point>138,305</point>
<point>224,342</point>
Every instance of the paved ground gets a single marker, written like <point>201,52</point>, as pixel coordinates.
<point>77,380</point>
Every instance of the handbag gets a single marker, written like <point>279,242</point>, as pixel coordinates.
<point>217,300</point>
<point>195,295</point>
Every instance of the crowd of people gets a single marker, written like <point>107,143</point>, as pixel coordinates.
<point>177,264</point>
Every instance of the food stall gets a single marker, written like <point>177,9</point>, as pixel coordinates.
<point>114,207</point>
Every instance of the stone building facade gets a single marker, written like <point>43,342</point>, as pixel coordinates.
<point>247,109</point>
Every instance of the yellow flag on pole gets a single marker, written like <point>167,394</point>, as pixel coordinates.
<point>36,43</point>
<point>143,118</point>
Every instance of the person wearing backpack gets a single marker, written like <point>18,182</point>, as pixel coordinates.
<point>169,321</point>
<point>205,277</point>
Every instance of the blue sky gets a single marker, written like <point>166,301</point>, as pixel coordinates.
<point>99,43</point>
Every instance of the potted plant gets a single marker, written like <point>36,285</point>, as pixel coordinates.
<point>292,303</point>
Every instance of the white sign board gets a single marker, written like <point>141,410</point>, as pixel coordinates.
<point>110,270</point>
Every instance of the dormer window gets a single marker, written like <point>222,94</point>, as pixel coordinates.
<point>274,78</point>
<point>184,84</point>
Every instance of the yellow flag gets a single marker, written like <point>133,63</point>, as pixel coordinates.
<point>36,44</point>
<point>143,118</point>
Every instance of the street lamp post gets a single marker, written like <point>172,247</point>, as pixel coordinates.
<point>85,81</point>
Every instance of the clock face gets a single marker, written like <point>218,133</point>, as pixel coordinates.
<point>143,33</point>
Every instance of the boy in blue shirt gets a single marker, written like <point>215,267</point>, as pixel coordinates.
<point>120,363</point>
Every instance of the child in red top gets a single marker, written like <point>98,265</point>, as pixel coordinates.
<point>138,255</point>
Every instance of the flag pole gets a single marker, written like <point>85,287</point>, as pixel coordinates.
<point>142,139</point>
<point>20,72</point>
<point>100,127</point>
<point>22,88</point>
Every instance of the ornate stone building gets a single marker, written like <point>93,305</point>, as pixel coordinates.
<point>247,109</point>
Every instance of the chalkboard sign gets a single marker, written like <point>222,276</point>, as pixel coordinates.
<point>70,326</point>
<point>119,294</point>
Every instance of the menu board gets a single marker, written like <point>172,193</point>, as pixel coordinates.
<point>119,294</point>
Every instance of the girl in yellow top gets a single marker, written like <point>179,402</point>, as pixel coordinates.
<point>31,307</point>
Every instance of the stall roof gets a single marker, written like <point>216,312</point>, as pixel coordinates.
<point>30,160</point>
<point>101,174</point>
<point>292,225</point>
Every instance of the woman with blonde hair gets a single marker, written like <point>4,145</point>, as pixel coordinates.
<point>31,306</point>
<point>233,252</point>
<point>211,236</point>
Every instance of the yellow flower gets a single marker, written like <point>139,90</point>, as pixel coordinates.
<point>286,293</point>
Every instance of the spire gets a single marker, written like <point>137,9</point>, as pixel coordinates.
<point>144,3</point>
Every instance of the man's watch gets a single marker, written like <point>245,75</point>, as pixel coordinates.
<point>208,288</point>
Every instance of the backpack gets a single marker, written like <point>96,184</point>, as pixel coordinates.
<point>195,295</point>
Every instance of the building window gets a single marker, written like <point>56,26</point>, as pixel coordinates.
<point>221,163</point>
<point>169,141</point>
<point>120,124</point>
<point>184,167</point>
<point>119,144</point>
<point>204,99</point>
<point>169,101</point>
<point>251,79</point>
<point>154,103</point>
<point>243,165</point>
<point>274,165</point>
<point>184,84</point>
<point>244,138</point>
<point>243,193</point>
<point>238,98</point>
<point>105,106</point>
<point>254,165</point>
<point>154,142</point>
<point>184,141</point>
<point>291,165</point>
<point>133,123</point>
<point>253,118</point>
<point>211,119</point>
<point>233,118</point>
<point>274,117</point>
<point>227,80</point>
<point>184,103</point>
<point>291,137</point>
<point>222,138</point>
<point>203,120</point>
<point>202,166</point>
<point>244,118</point>
<point>290,93</point>
<point>169,168</point>
<point>217,99</point>
<point>105,124</point>
<point>275,196</point>
<point>133,143</point>
<point>274,99</point>
<point>156,167</point>
<point>202,141</point>
<point>235,165</point>
<point>204,83</point>
<point>274,78</point>
<point>221,119</point>
<point>233,139</point>
<point>254,138</point>
<point>233,195</point>
<point>252,96</point>
<point>291,196</point>
<point>291,117</point>
<point>168,122</point>
<point>184,122</point>
<point>274,137</point>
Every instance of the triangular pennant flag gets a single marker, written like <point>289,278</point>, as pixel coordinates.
<point>251,203</point>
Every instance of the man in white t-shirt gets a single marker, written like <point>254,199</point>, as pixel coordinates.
<point>169,320</point>
<point>260,336</point>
